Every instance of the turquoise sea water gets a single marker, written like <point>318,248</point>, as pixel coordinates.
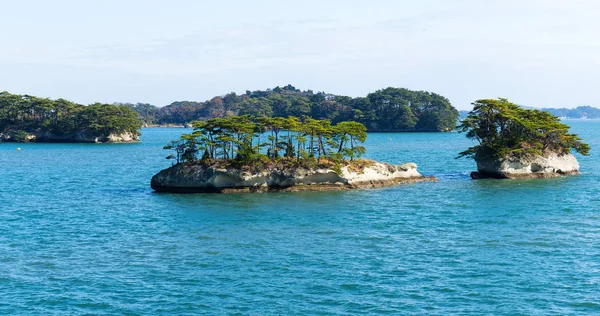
<point>82,232</point>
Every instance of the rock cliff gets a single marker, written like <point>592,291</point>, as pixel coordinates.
<point>551,165</point>
<point>198,177</point>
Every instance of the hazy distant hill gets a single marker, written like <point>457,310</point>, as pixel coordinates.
<point>580,112</point>
<point>585,111</point>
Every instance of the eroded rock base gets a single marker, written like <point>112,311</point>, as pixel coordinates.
<point>546,175</point>
<point>200,178</point>
<point>540,167</point>
<point>296,188</point>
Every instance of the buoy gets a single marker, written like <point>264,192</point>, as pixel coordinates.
<point>390,139</point>
<point>19,149</point>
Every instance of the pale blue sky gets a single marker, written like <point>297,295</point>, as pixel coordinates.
<point>534,52</point>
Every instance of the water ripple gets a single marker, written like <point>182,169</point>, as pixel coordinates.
<point>81,233</point>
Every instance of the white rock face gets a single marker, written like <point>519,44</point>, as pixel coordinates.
<point>125,137</point>
<point>539,167</point>
<point>188,177</point>
<point>381,172</point>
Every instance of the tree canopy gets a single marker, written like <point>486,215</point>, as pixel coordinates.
<point>246,140</point>
<point>390,109</point>
<point>22,114</point>
<point>504,130</point>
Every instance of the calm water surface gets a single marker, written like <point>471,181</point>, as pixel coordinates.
<point>82,232</point>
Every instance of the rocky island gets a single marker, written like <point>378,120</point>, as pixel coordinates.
<point>519,143</point>
<point>26,118</point>
<point>205,178</point>
<point>298,155</point>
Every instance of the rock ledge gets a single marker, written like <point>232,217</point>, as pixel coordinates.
<point>199,178</point>
<point>549,166</point>
<point>79,137</point>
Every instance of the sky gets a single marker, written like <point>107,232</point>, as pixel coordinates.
<point>533,52</point>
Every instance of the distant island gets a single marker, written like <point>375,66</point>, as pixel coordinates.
<point>513,142</point>
<point>248,154</point>
<point>25,118</point>
<point>580,112</point>
<point>390,109</point>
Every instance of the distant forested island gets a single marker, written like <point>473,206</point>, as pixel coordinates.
<point>389,109</point>
<point>580,112</point>
<point>25,118</point>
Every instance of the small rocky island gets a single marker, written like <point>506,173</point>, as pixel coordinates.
<point>198,177</point>
<point>519,143</point>
<point>26,118</point>
<point>245,154</point>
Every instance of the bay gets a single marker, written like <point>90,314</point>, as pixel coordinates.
<point>82,232</point>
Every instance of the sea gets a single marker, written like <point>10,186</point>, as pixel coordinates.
<point>81,232</point>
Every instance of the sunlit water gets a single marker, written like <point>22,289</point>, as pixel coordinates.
<point>82,232</point>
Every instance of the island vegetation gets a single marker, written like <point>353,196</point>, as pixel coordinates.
<point>27,118</point>
<point>389,109</point>
<point>511,139</point>
<point>247,141</point>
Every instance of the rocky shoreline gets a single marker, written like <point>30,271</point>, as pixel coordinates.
<point>166,125</point>
<point>81,137</point>
<point>549,166</point>
<point>197,177</point>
